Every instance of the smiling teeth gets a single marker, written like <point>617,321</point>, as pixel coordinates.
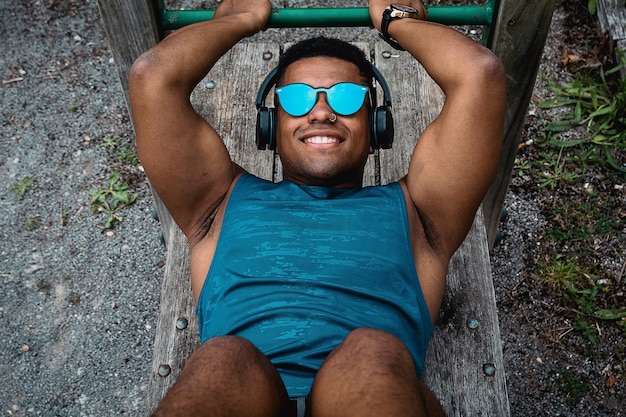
<point>321,140</point>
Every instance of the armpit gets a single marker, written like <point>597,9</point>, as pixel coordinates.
<point>206,221</point>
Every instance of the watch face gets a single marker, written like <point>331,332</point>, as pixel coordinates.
<point>403,8</point>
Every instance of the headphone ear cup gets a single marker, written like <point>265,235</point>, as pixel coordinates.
<point>382,128</point>
<point>271,131</point>
<point>265,128</point>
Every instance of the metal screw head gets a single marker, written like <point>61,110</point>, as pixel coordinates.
<point>164,370</point>
<point>489,369</point>
<point>472,323</point>
<point>182,323</point>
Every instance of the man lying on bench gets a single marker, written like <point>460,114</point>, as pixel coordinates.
<point>315,291</point>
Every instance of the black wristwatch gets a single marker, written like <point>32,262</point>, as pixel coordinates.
<point>392,12</point>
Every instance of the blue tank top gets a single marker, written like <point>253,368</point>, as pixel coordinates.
<point>298,267</point>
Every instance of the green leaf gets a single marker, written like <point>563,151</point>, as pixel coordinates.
<point>613,163</point>
<point>578,112</point>
<point>560,126</point>
<point>97,195</point>
<point>115,176</point>
<point>610,109</point>
<point>610,314</point>
<point>557,102</point>
<point>566,143</point>
<point>120,196</point>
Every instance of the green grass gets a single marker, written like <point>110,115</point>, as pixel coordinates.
<point>117,195</point>
<point>112,199</point>
<point>31,223</point>
<point>584,294</point>
<point>596,102</point>
<point>578,162</point>
<point>124,151</point>
<point>22,186</point>
<point>573,387</point>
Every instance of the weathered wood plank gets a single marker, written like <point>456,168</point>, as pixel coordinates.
<point>229,106</point>
<point>464,364</point>
<point>177,325</point>
<point>612,18</point>
<point>519,36</point>
<point>131,30</point>
<point>457,354</point>
<point>416,101</point>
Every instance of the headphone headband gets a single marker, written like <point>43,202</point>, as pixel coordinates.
<point>383,83</point>
<point>269,82</point>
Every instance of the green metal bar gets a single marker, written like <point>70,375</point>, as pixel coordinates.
<point>481,15</point>
<point>487,36</point>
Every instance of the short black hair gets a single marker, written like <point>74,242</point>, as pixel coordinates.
<point>325,47</point>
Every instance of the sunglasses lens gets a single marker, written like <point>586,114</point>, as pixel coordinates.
<point>346,98</point>
<point>343,98</point>
<point>296,99</point>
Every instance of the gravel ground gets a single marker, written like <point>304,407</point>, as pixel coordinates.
<point>79,306</point>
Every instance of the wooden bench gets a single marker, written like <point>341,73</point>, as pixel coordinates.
<point>464,363</point>
<point>612,19</point>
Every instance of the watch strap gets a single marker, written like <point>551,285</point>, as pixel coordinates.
<point>389,14</point>
<point>384,31</point>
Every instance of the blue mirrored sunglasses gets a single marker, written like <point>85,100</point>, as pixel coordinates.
<point>343,98</point>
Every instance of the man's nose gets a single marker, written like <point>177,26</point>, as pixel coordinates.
<point>322,111</point>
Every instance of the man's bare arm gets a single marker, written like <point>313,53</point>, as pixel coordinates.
<point>183,156</point>
<point>455,159</point>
